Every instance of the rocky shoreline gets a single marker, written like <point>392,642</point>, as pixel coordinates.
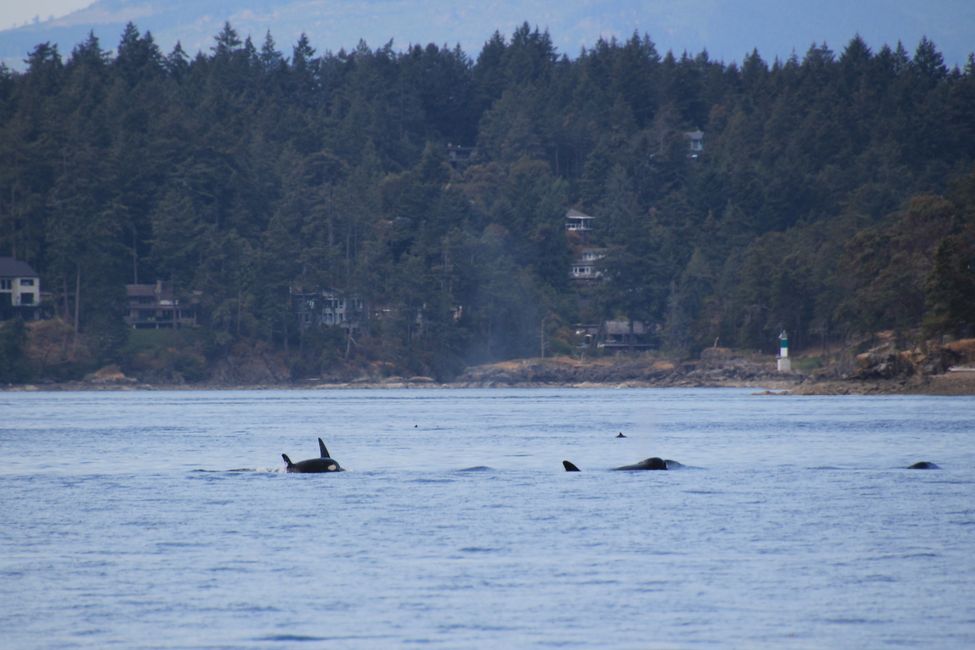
<point>875,373</point>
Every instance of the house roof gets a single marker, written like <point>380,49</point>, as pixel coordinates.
<point>575,214</point>
<point>10,267</point>
<point>162,289</point>
<point>140,289</point>
<point>589,256</point>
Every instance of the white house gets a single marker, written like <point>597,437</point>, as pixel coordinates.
<point>586,265</point>
<point>20,289</point>
<point>576,221</point>
<point>695,143</point>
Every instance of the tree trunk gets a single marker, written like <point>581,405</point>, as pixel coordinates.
<point>66,308</point>
<point>135,258</point>
<point>284,322</point>
<point>77,302</point>
<point>239,308</point>
<point>65,315</point>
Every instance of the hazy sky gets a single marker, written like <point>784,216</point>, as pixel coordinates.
<point>17,12</point>
<point>728,29</point>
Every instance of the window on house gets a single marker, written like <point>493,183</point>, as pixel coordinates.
<point>5,284</point>
<point>27,282</point>
<point>27,299</point>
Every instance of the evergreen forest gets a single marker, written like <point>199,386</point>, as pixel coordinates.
<point>834,195</point>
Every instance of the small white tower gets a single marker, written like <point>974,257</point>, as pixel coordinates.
<point>784,364</point>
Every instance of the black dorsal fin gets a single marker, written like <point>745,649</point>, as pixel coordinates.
<point>321,448</point>
<point>569,467</point>
<point>287,460</point>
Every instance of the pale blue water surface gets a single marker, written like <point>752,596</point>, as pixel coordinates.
<point>165,520</point>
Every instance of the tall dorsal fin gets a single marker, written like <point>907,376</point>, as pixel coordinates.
<point>321,447</point>
<point>287,460</point>
<point>569,467</point>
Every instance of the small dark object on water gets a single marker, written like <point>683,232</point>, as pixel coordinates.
<point>924,464</point>
<point>314,465</point>
<point>620,435</point>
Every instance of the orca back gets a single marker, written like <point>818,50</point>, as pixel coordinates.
<point>321,465</point>
<point>653,463</point>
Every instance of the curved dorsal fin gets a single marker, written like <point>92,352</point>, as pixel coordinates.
<point>321,447</point>
<point>287,460</point>
<point>569,467</point>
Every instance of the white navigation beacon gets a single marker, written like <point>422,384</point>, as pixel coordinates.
<point>783,361</point>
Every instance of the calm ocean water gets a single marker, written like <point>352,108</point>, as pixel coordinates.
<point>165,520</point>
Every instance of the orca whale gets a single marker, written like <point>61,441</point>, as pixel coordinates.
<point>647,463</point>
<point>314,465</point>
<point>924,464</point>
<point>653,463</point>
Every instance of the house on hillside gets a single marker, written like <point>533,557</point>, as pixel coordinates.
<point>327,308</point>
<point>576,221</point>
<point>459,156</point>
<point>155,306</point>
<point>586,335</point>
<point>695,143</point>
<point>586,265</point>
<point>614,336</point>
<point>623,335</point>
<point>20,289</point>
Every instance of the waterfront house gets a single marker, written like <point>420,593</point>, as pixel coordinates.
<point>20,289</point>
<point>624,335</point>
<point>155,306</point>
<point>327,308</point>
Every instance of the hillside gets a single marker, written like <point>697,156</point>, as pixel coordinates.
<point>409,209</point>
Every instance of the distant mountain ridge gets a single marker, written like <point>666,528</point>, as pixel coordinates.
<point>727,30</point>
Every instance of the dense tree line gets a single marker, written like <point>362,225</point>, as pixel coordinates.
<point>835,194</point>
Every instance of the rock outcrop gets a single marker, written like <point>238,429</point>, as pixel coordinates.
<point>886,362</point>
<point>645,370</point>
